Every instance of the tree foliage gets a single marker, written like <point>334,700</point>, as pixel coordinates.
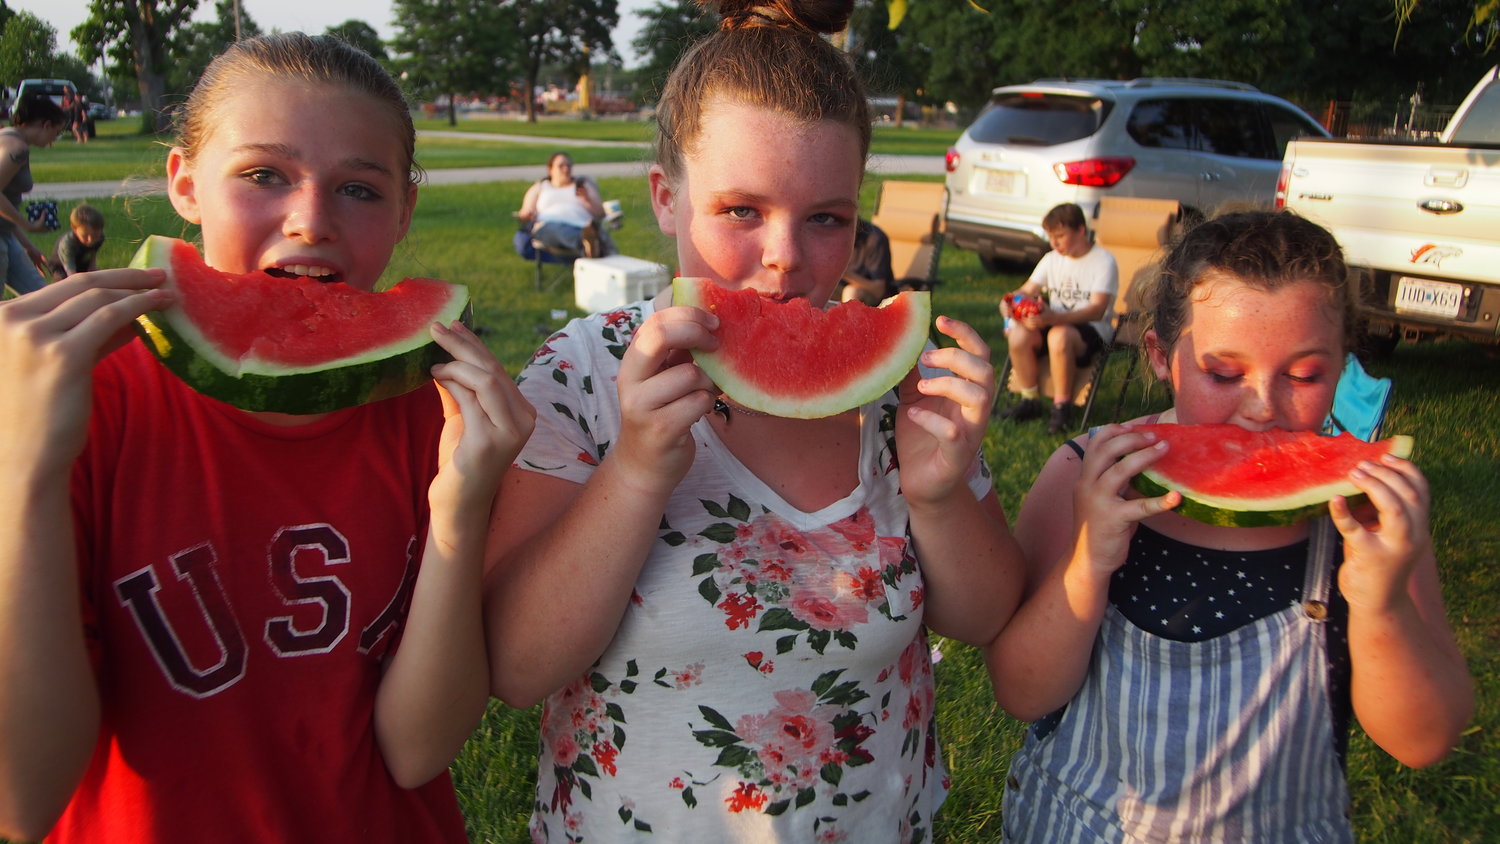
<point>1484,19</point>
<point>198,43</point>
<point>357,33</point>
<point>138,35</point>
<point>27,47</point>
<point>1308,52</point>
<point>28,50</point>
<point>670,27</point>
<point>450,47</point>
<point>570,32</point>
<point>891,61</point>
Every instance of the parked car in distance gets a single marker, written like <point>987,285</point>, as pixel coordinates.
<point>100,111</point>
<point>1206,143</point>
<point>54,88</point>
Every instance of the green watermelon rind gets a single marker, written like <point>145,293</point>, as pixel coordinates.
<point>1307,503</point>
<point>390,371</point>
<point>873,383</point>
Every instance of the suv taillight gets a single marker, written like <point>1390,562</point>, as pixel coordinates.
<point>1094,172</point>
<point>1282,181</point>
<point>950,161</point>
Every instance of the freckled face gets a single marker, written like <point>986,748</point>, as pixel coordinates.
<point>297,179</point>
<point>765,202</point>
<point>1255,358</point>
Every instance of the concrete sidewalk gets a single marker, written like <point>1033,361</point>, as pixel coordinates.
<point>883,165</point>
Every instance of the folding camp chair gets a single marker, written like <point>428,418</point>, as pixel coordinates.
<point>911,215</point>
<point>1359,402</point>
<point>543,255</point>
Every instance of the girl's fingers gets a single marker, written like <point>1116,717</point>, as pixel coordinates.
<point>669,386</point>
<point>663,332</point>
<point>967,338</point>
<point>973,398</point>
<point>962,363</point>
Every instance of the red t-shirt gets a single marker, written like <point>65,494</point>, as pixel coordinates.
<point>242,583</point>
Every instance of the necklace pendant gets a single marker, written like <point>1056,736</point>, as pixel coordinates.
<point>721,407</point>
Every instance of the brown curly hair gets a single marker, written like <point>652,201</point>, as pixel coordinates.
<point>1263,249</point>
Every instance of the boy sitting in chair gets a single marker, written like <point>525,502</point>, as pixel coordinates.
<point>1073,323</point>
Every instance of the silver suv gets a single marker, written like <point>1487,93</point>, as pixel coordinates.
<point>1202,142</point>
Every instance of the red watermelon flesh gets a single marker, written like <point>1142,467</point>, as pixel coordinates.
<point>793,359</point>
<point>1233,476</point>
<point>298,322</point>
<point>293,345</point>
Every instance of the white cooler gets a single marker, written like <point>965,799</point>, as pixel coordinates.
<point>602,284</point>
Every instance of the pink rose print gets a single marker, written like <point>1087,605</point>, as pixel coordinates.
<point>824,611</point>
<point>793,736</point>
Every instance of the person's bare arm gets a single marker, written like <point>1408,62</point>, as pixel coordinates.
<point>50,341</point>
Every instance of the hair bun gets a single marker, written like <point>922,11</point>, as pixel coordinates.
<point>824,17</point>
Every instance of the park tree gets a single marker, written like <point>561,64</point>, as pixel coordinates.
<point>962,62</point>
<point>139,35</point>
<point>670,27</point>
<point>357,33</point>
<point>450,47</point>
<point>28,45</point>
<point>198,44</point>
<point>569,32</point>
<point>891,60</point>
<point>1483,19</point>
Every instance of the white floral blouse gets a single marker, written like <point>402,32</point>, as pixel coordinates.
<point>771,680</point>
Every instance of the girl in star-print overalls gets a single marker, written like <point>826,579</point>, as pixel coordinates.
<point>1189,682</point>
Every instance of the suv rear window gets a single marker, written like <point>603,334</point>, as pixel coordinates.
<point>1038,119</point>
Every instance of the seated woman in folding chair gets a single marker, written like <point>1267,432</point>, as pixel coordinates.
<point>1080,282</point>
<point>560,215</point>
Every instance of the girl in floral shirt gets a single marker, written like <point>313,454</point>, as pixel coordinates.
<point>726,612</point>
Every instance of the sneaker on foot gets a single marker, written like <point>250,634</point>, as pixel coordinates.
<point>1061,419</point>
<point>1023,410</point>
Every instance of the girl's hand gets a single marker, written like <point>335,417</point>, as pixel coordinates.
<point>1104,519</point>
<point>487,420</point>
<point>50,341</point>
<point>662,393</point>
<point>1383,540</point>
<point>942,420</point>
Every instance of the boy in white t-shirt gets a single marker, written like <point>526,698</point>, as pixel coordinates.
<point>1079,282</point>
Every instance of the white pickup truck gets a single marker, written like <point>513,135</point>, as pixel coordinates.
<point>1420,220</point>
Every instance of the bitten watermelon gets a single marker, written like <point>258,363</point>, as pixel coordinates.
<point>792,359</point>
<point>1237,478</point>
<point>293,345</point>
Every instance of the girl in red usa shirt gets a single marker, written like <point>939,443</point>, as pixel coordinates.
<point>233,626</point>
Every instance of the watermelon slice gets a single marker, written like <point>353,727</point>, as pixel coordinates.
<point>293,345</point>
<point>1237,478</point>
<point>792,359</point>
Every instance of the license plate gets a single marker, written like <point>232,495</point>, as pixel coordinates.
<point>1004,182</point>
<point>1425,296</point>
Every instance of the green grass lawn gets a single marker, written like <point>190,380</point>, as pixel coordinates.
<point>121,152</point>
<point>1446,396</point>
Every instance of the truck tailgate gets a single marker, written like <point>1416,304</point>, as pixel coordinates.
<point>1420,208</point>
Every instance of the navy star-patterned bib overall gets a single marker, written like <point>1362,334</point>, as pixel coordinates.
<point>1226,739</point>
